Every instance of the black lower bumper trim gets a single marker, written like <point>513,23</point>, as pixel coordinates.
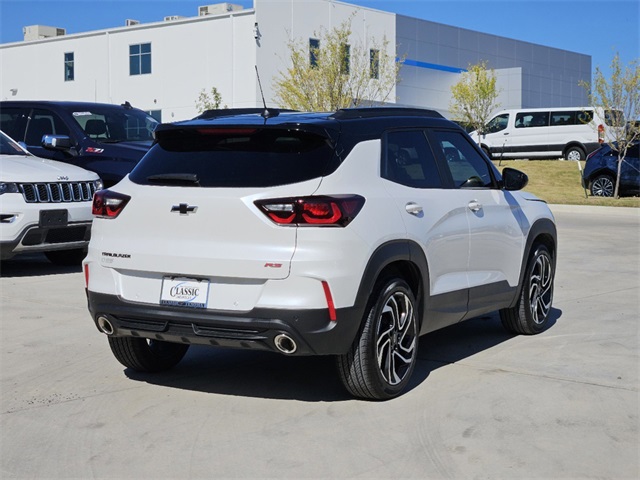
<point>312,330</point>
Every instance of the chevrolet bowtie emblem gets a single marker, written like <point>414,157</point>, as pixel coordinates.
<point>184,209</point>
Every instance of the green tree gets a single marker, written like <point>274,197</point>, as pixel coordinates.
<point>474,96</point>
<point>619,97</point>
<point>208,100</point>
<point>333,74</point>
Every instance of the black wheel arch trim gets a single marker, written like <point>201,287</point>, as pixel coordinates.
<point>384,257</point>
<point>542,231</point>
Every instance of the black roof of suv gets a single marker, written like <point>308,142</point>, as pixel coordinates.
<point>326,139</point>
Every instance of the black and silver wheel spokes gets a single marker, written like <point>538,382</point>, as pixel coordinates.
<point>541,289</point>
<point>603,187</point>
<point>396,338</point>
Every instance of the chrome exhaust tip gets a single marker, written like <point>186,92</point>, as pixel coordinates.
<point>285,344</point>
<point>105,325</point>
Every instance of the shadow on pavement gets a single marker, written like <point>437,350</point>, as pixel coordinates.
<point>315,379</point>
<point>33,265</point>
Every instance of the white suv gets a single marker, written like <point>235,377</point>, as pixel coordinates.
<point>347,234</point>
<point>45,206</point>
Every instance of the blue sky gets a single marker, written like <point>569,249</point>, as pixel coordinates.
<point>599,28</point>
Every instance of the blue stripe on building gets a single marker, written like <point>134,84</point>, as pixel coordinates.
<point>432,66</point>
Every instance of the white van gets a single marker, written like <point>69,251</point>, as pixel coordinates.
<point>570,133</point>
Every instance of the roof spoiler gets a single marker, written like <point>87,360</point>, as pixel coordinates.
<point>372,112</point>
<point>229,112</point>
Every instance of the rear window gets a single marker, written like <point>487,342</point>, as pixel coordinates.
<point>235,157</point>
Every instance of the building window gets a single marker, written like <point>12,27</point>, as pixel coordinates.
<point>68,67</point>
<point>140,59</point>
<point>157,114</point>
<point>374,63</point>
<point>345,66</point>
<point>314,50</point>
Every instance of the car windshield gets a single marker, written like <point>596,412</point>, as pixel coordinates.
<point>9,147</point>
<point>113,125</point>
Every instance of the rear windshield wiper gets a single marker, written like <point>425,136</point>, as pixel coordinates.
<point>178,179</point>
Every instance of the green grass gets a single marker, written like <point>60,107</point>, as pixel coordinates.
<point>558,182</point>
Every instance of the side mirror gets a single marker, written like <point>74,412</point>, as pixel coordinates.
<point>513,179</point>
<point>56,142</point>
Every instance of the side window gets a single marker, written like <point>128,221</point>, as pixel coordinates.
<point>532,119</point>
<point>408,160</point>
<point>584,117</point>
<point>498,123</point>
<point>562,118</point>
<point>634,151</point>
<point>468,168</point>
<point>11,122</point>
<point>43,122</point>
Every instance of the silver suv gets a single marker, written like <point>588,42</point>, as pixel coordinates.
<point>347,234</point>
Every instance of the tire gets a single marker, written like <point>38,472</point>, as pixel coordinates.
<point>531,314</point>
<point>574,153</point>
<point>144,355</point>
<point>602,186</point>
<point>487,152</point>
<point>383,356</point>
<point>66,257</point>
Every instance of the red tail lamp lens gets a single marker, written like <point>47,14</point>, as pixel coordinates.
<point>108,204</point>
<point>338,210</point>
<point>318,213</point>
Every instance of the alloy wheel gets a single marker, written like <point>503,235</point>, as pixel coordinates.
<point>541,289</point>
<point>396,338</point>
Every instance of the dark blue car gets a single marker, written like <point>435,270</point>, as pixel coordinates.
<point>601,169</point>
<point>107,139</point>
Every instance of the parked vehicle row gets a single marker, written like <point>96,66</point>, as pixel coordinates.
<point>347,234</point>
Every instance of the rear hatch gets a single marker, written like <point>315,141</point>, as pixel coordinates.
<point>192,210</point>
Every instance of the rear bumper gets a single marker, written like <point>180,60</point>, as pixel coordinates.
<point>312,330</point>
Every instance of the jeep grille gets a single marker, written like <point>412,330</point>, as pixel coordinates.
<point>57,192</point>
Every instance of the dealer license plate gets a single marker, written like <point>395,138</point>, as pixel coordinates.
<point>184,292</point>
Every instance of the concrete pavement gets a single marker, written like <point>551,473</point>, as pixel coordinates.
<point>483,404</point>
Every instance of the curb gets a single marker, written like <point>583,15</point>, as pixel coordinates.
<point>592,209</point>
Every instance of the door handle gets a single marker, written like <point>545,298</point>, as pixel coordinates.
<point>413,208</point>
<point>475,206</point>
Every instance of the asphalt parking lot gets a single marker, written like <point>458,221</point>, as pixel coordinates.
<point>483,404</point>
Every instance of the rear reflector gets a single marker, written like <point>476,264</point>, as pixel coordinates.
<point>330,304</point>
<point>335,210</point>
<point>86,275</point>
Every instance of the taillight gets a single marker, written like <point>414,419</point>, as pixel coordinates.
<point>336,210</point>
<point>108,204</point>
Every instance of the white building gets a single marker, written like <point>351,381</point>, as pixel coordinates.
<point>163,66</point>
